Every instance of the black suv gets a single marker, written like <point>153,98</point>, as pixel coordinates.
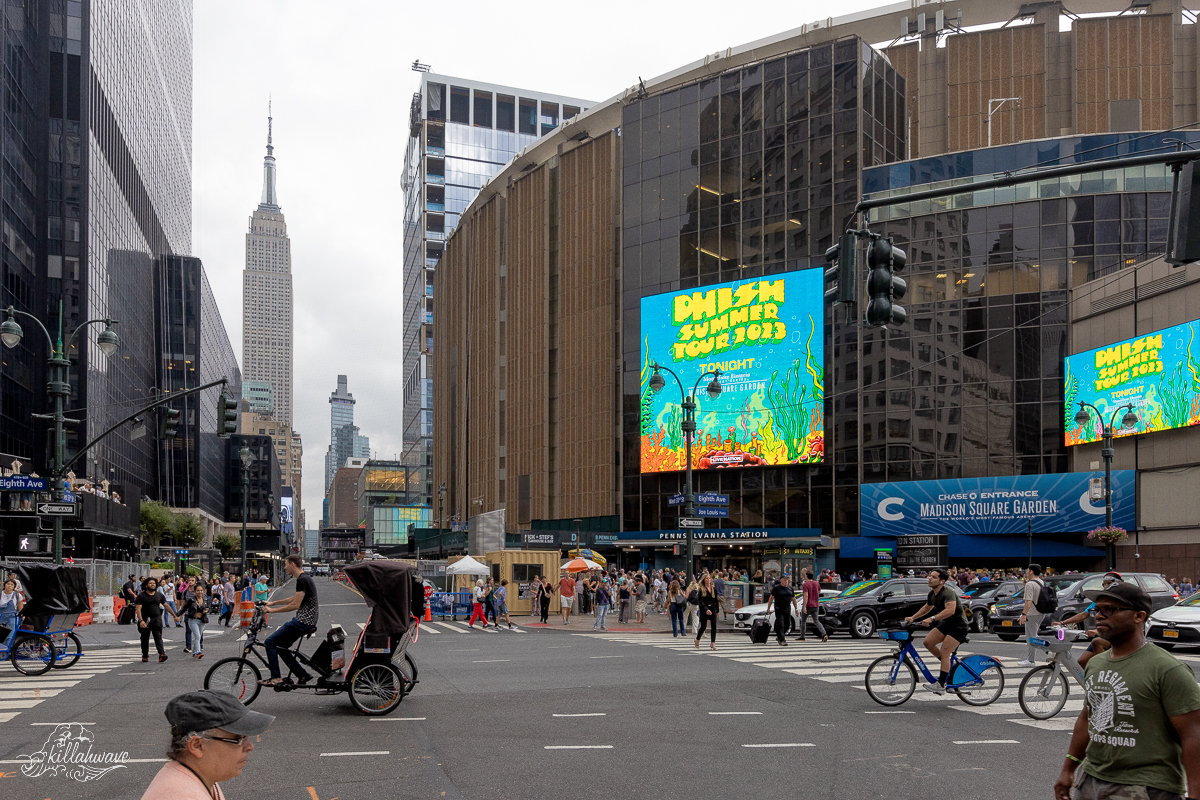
<point>1071,600</point>
<point>871,605</point>
<point>981,596</point>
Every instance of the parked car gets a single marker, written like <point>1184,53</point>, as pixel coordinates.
<point>981,596</point>
<point>869,605</point>
<point>1177,624</point>
<point>1004,616</point>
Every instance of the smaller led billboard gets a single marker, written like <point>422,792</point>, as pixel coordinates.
<point>1158,373</point>
<point>766,336</point>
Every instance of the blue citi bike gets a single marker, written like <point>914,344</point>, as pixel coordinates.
<point>891,679</point>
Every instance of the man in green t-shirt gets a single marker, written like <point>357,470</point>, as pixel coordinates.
<point>948,623</point>
<point>1138,735</point>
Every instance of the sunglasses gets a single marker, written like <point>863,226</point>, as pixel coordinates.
<point>1103,612</point>
<point>239,741</point>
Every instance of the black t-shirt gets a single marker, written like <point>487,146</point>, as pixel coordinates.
<point>308,613</point>
<point>940,598</point>
<point>783,596</point>
<point>129,590</point>
<point>152,607</point>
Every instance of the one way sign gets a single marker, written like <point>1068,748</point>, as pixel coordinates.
<point>56,509</point>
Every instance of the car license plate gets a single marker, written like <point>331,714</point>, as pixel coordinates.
<point>1171,634</point>
<point>1007,623</point>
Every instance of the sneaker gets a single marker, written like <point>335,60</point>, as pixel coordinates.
<point>604,629</point>
<point>783,642</point>
<point>824,638</point>
<point>161,657</point>
<point>935,687</point>
<point>1025,663</point>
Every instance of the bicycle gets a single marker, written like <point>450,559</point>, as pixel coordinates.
<point>891,679</point>
<point>1044,689</point>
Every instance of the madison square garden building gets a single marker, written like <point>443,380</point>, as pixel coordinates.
<point>685,222</point>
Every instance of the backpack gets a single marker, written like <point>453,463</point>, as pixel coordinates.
<point>1047,599</point>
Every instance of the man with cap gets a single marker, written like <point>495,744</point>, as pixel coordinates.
<point>1097,643</point>
<point>210,742</point>
<point>1138,735</point>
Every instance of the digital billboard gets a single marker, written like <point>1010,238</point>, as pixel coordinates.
<point>1158,373</point>
<point>285,519</point>
<point>766,336</point>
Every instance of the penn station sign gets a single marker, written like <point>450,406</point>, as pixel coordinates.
<point>724,535</point>
<point>1049,503</point>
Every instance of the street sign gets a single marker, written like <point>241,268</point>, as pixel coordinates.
<point>182,552</point>
<point>675,500</point>
<point>706,511</point>
<point>56,509</point>
<point>22,483</point>
<point>428,591</point>
<point>691,522</point>
<point>713,499</point>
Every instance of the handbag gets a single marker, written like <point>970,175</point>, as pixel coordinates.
<point>126,616</point>
<point>694,597</point>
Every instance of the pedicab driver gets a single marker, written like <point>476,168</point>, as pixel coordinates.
<point>949,623</point>
<point>304,603</point>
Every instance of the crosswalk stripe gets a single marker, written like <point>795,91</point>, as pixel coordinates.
<point>852,670</point>
<point>1072,706</point>
<point>428,628</point>
<point>9,705</point>
<point>449,627</point>
<point>29,694</point>
<point>835,678</point>
<point>1063,722</point>
<point>6,717</point>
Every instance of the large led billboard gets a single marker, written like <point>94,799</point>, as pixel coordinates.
<point>766,336</point>
<point>1158,373</point>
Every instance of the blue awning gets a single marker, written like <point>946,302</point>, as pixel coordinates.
<point>976,546</point>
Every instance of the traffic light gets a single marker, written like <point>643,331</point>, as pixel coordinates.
<point>1185,222</point>
<point>841,277</point>
<point>226,415</point>
<point>883,287</point>
<point>170,423</point>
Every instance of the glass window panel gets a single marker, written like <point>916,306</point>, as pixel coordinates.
<point>483,109</point>
<point>527,121</point>
<point>731,110</point>
<point>436,102</point>
<point>460,105</point>
<point>506,113</point>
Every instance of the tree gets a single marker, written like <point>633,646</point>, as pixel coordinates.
<point>187,530</point>
<point>227,544</point>
<point>157,522</point>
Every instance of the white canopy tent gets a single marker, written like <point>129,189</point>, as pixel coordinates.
<point>468,566</point>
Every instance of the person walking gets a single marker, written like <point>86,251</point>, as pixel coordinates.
<point>784,598</point>
<point>477,611</point>
<point>149,607</point>
<point>1030,617</point>
<point>811,590</point>
<point>167,587</point>
<point>566,596</point>
<point>261,595</point>
<point>195,611</point>
<point>489,602</point>
<point>535,595</point>
<point>1138,735</point>
<point>639,598</point>
<point>547,594</point>
<point>709,605</point>
<point>11,604</point>
<point>676,602</point>
<point>500,599</point>
<point>603,601</point>
<point>624,601</point>
<point>230,597</point>
<point>719,585</point>
<point>693,605</point>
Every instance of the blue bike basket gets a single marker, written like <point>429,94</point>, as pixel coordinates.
<point>896,636</point>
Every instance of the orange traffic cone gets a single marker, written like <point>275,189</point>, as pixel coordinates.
<point>428,614</point>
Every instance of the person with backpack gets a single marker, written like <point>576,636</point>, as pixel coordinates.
<point>603,601</point>
<point>1039,601</point>
<point>676,602</point>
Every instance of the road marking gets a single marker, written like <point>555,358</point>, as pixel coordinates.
<point>448,626</point>
<point>990,741</point>
<point>135,673</point>
<point>1074,706</point>
<point>396,719</point>
<point>359,753</point>
<point>492,661</point>
<point>792,744</point>
<point>1056,724</point>
<point>467,650</point>
<point>431,629</point>
<point>578,747</point>
<point>28,694</point>
<point>6,717</point>
<point>596,714</point>
<point>52,724</point>
<point>889,712</point>
<point>606,656</point>
<point>734,713</point>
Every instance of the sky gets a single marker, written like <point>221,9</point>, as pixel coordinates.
<point>340,82</point>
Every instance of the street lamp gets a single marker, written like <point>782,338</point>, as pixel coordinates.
<point>1082,417</point>
<point>58,387</point>
<point>441,494</point>
<point>247,459</point>
<point>657,382</point>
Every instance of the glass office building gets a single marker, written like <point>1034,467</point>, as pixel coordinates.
<point>461,132</point>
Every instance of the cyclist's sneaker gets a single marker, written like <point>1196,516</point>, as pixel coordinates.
<point>935,687</point>
<point>1025,663</point>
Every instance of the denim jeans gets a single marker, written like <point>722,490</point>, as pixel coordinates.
<point>677,627</point>
<point>283,638</point>
<point>601,615</point>
<point>196,635</point>
<point>167,621</point>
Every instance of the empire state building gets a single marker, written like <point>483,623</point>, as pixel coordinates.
<point>267,297</point>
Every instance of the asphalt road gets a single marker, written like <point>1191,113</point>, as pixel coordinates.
<point>545,714</point>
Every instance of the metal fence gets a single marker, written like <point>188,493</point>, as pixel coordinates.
<point>103,577</point>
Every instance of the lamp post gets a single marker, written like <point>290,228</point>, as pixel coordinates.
<point>441,494</point>
<point>58,387</point>
<point>688,402</point>
<point>1082,417</point>
<point>247,459</point>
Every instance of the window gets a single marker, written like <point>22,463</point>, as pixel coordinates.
<point>460,105</point>
<point>483,109</point>
<point>570,111</point>
<point>527,122</point>
<point>549,117</point>
<point>506,113</point>
<point>522,573</point>
<point>436,102</point>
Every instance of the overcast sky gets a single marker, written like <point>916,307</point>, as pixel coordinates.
<point>341,82</point>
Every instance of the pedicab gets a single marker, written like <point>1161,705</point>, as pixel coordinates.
<point>377,674</point>
<point>55,597</point>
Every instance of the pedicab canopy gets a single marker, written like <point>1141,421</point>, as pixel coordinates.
<point>394,592</point>
<point>53,589</point>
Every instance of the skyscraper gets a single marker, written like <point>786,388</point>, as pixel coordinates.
<point>460,134</point>
<point>267,296</point>
<point>344,439</point>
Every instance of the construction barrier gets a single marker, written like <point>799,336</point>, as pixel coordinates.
<point>102,609</point>
<point>86,617</point>
<point>245,613</point>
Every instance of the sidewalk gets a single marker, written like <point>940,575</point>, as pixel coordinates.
<point>582,623</point>
<point>110,634</point>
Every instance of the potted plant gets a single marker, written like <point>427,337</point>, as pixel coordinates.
<point>1108,535</point>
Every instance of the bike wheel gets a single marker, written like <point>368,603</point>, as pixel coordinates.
<point>239,677</point>
<point>408,668</point>
<point>987,692</point>
<point>1042,693</point>
<point>376,689</point>
<point>32,654</point>
<point>883,688</point>
<point>68,652</point>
